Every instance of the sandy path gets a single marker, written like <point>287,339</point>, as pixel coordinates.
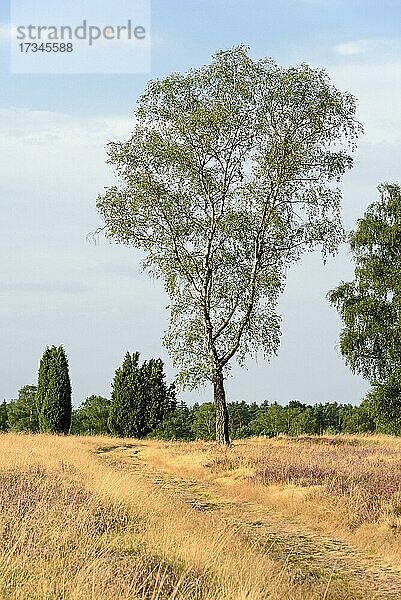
<point>308,557</point>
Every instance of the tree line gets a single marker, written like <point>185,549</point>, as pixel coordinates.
<point>177,421</point>
<point>95,416</point>
<point>140,400</point>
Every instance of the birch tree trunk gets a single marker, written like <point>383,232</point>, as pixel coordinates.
<point>222,436</point>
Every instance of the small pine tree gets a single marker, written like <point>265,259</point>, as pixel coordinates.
<point>43,383</point>
<point>126,410</point>
<point>65,391</point>
<point>55,406</point>
<point>140,398</point>
<point>203,421</point>
<point>161,400</point>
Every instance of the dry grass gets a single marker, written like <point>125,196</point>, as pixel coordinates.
<point>78,523</point>
<point>76,526</point>
<point>347,487</point>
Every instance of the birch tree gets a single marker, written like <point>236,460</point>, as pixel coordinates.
<point>228,177</point>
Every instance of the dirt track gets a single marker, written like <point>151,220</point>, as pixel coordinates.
<point>326,564</point>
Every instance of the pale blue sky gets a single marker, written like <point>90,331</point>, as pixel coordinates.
<point>57,288</point>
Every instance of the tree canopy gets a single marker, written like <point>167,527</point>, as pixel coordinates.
<point>369,305</point>
<point>228,177</point>
<point>53,394</point>
<point>22,412</point>
<point>91,417</point>
<point>140,397</point>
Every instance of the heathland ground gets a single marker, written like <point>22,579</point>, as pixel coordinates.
<point>284,518</point>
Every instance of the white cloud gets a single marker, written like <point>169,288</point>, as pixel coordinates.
<point>42,150</point>
<point>353,48</point>
<point>377,87</point>
<point>371,70</point>
<point>376,84</point>
<point>35,126</point>
<point>363,47</point>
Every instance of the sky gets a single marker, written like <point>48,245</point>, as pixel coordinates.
<point>56,287</point>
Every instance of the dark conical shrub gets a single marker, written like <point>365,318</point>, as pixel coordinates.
<point>140,398</point>
<point>43,382</point>
<point>54,392</point>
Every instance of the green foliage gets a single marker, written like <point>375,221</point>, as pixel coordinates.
<point>385,405</point>
<point>127,401</point>
<point>22,412</point>
<point>3,416</point>
<point>226,180</point>
<point>303,420</point>
<point>43,382</point>
<point>294,419</point>
<point>358,419</point>
<point>370,305</point>
<point>240,416</point>
<point>203,421</point>
<point>91,417</point>
<point>140,398</point>
<point>198,421</point>
<point>269,420</point>
<point>177,425</point>
<point>328,417</point>
<point>54,392</point>
<point>160,399</point>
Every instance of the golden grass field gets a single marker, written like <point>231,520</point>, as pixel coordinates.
<point>289,518</point>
